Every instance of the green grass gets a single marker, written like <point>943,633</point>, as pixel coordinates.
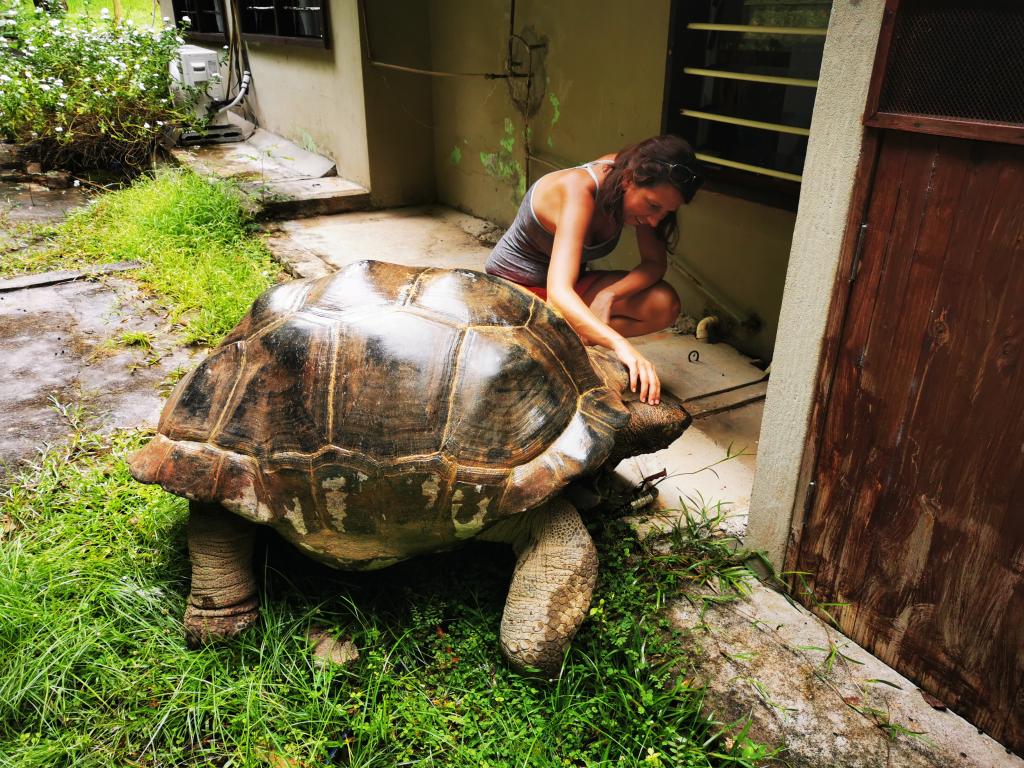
<point>193,237</point>
<point>92,587</point>
<point>142,12</point>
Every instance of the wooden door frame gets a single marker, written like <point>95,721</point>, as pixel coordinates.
<point>876,123</point>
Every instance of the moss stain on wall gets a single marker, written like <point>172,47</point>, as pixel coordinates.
<point>503,164</point>
<point>556,107</point>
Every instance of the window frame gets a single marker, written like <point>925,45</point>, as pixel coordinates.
<point>964,128</point>
<point>748,185</point>
<point>204,37</point>
<point>257,37</point>
<point>324,41</point>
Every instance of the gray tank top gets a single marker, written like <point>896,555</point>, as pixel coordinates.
<point>524,251</point>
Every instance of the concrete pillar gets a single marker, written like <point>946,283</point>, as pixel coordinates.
<point>833,154</point>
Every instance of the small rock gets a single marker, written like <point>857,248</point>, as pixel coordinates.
<point>932,702</point>
<point>328,650</point>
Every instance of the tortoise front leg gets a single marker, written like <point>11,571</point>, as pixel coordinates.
<point>223,599</point>
<point>551,587</point>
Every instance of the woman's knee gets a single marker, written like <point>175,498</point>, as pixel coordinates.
<point>663,303</point>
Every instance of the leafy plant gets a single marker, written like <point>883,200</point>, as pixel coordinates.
<point>85,93</point>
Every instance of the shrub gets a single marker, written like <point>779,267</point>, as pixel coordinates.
<point>84,94</point>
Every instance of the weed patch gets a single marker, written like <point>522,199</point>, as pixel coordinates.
<point>193,237</point>
<point>93,579</point>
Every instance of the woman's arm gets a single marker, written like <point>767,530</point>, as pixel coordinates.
<point>573,220</point>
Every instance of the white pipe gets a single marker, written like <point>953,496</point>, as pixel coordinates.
<point>242,88</point>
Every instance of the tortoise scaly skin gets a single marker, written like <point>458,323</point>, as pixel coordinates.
<point>386,411</point>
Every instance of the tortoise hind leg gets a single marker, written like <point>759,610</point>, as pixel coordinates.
<point>223,599</point>
<point>551,588</point>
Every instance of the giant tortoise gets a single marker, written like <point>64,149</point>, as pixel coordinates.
<point>386,411</point>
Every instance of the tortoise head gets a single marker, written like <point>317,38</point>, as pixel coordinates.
<point>650,427</point>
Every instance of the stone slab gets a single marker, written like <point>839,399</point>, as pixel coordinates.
<point>263,156</point>
<point>64,276</point>
<point>36,204</point>
<point>52,346</point>
<point>767,659</point>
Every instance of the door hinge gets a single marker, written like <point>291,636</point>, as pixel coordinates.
<point>812,489</point>
<point>855,267</point>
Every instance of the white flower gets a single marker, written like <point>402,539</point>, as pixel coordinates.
<point>160,122</point>
<point>186,20</point>
<point>142,86</point>
<point>5,78</point>
<point>104,12</point>
<point>54,22</point>
<point>147,126</point>
<point>44,87</point>
<point>76,183</point>
<point>167,18</point>
<point>58,129</point>
<point>63,97</point>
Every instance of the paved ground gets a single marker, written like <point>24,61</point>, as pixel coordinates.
<point>61,346</point>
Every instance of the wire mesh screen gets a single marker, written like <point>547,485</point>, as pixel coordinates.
<point>961,59</point>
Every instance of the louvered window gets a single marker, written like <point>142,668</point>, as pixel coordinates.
<point>743,77</point>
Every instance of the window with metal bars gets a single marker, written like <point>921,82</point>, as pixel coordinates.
<point>742,79</point>
<point>297,21</point>
<point>951,67</point>
<point>205,19</point>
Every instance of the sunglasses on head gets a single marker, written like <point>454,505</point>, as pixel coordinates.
<point>680,174</point>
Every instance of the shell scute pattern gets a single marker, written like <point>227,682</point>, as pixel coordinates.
<point>416,406</point>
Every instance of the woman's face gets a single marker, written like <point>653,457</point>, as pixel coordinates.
<point>646,206</point>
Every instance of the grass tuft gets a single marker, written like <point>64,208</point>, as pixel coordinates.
<point>93,578</point>
<point>193,237</point>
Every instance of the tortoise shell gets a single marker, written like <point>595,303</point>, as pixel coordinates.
<point>385,410</point>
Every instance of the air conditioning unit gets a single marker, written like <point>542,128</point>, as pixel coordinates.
<point>196,74</point>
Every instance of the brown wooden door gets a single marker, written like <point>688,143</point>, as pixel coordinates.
<point>917,522</point>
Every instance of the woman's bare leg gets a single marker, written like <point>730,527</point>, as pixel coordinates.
<point>650,310</point>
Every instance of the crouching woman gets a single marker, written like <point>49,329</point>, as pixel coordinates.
<point>573,216</point>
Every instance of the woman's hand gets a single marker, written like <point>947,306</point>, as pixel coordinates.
<point>641,372</point>
<point>601,306</point>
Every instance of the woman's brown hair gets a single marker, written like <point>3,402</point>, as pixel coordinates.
<point>657,160</point>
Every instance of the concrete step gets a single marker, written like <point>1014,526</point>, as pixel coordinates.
<point>279,178</point>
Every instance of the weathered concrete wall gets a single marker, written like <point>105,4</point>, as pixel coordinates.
<point>399,105</point>
<point>599,85</point>
<point>375,125</point>
<point>833,155</point>
<point>315,96</point>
